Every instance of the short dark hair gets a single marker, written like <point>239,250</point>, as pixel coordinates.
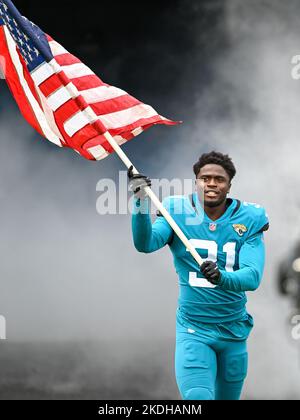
<point>218,159</point>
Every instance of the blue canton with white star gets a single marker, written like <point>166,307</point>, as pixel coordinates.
<point>30,39</point>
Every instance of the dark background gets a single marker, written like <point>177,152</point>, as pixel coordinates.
<point>87,316</point>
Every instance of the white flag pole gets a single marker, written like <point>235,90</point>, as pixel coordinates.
<point>155,200</point>
<point>91,115</point>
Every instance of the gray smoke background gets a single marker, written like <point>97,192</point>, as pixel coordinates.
<point>88,316</point>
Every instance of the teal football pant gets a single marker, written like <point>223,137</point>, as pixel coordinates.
<point>209,367</point>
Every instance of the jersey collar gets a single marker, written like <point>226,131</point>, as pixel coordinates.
<point>232,206</point>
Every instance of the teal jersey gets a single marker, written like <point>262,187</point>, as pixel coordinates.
<point>234,241</point>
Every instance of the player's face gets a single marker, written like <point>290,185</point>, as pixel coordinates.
<point>213,185</point>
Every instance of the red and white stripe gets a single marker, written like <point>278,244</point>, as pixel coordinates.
<point>74,108</point>
<point>39,114</point>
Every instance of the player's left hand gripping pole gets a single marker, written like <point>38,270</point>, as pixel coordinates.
<point>155,200</point>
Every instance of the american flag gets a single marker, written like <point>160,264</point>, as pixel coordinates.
<point>60,96</point>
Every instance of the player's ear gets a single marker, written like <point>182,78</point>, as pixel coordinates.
<point>229,188</point>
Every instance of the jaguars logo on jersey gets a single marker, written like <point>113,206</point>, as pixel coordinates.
<point>240,229</point>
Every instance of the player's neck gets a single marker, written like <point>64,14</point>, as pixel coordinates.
<point>215,213</point>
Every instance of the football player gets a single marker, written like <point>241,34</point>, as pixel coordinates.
<point>212,323</point>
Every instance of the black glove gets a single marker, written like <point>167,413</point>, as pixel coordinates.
<point>137,183</point>
<point>211,272</point>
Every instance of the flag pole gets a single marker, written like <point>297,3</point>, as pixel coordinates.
<point>155,199</point>
<point>93,117</point>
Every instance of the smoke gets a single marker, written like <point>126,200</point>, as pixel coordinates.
<point>266,37</point>
<point>251,111</point>
<point>61,275</point>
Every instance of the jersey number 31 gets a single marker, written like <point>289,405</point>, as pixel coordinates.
<point>212,248</point>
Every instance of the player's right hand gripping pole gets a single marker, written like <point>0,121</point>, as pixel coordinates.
<point>140,185</point>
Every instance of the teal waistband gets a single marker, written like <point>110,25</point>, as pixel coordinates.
<point>237,330</point>
<point>213,312</point>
